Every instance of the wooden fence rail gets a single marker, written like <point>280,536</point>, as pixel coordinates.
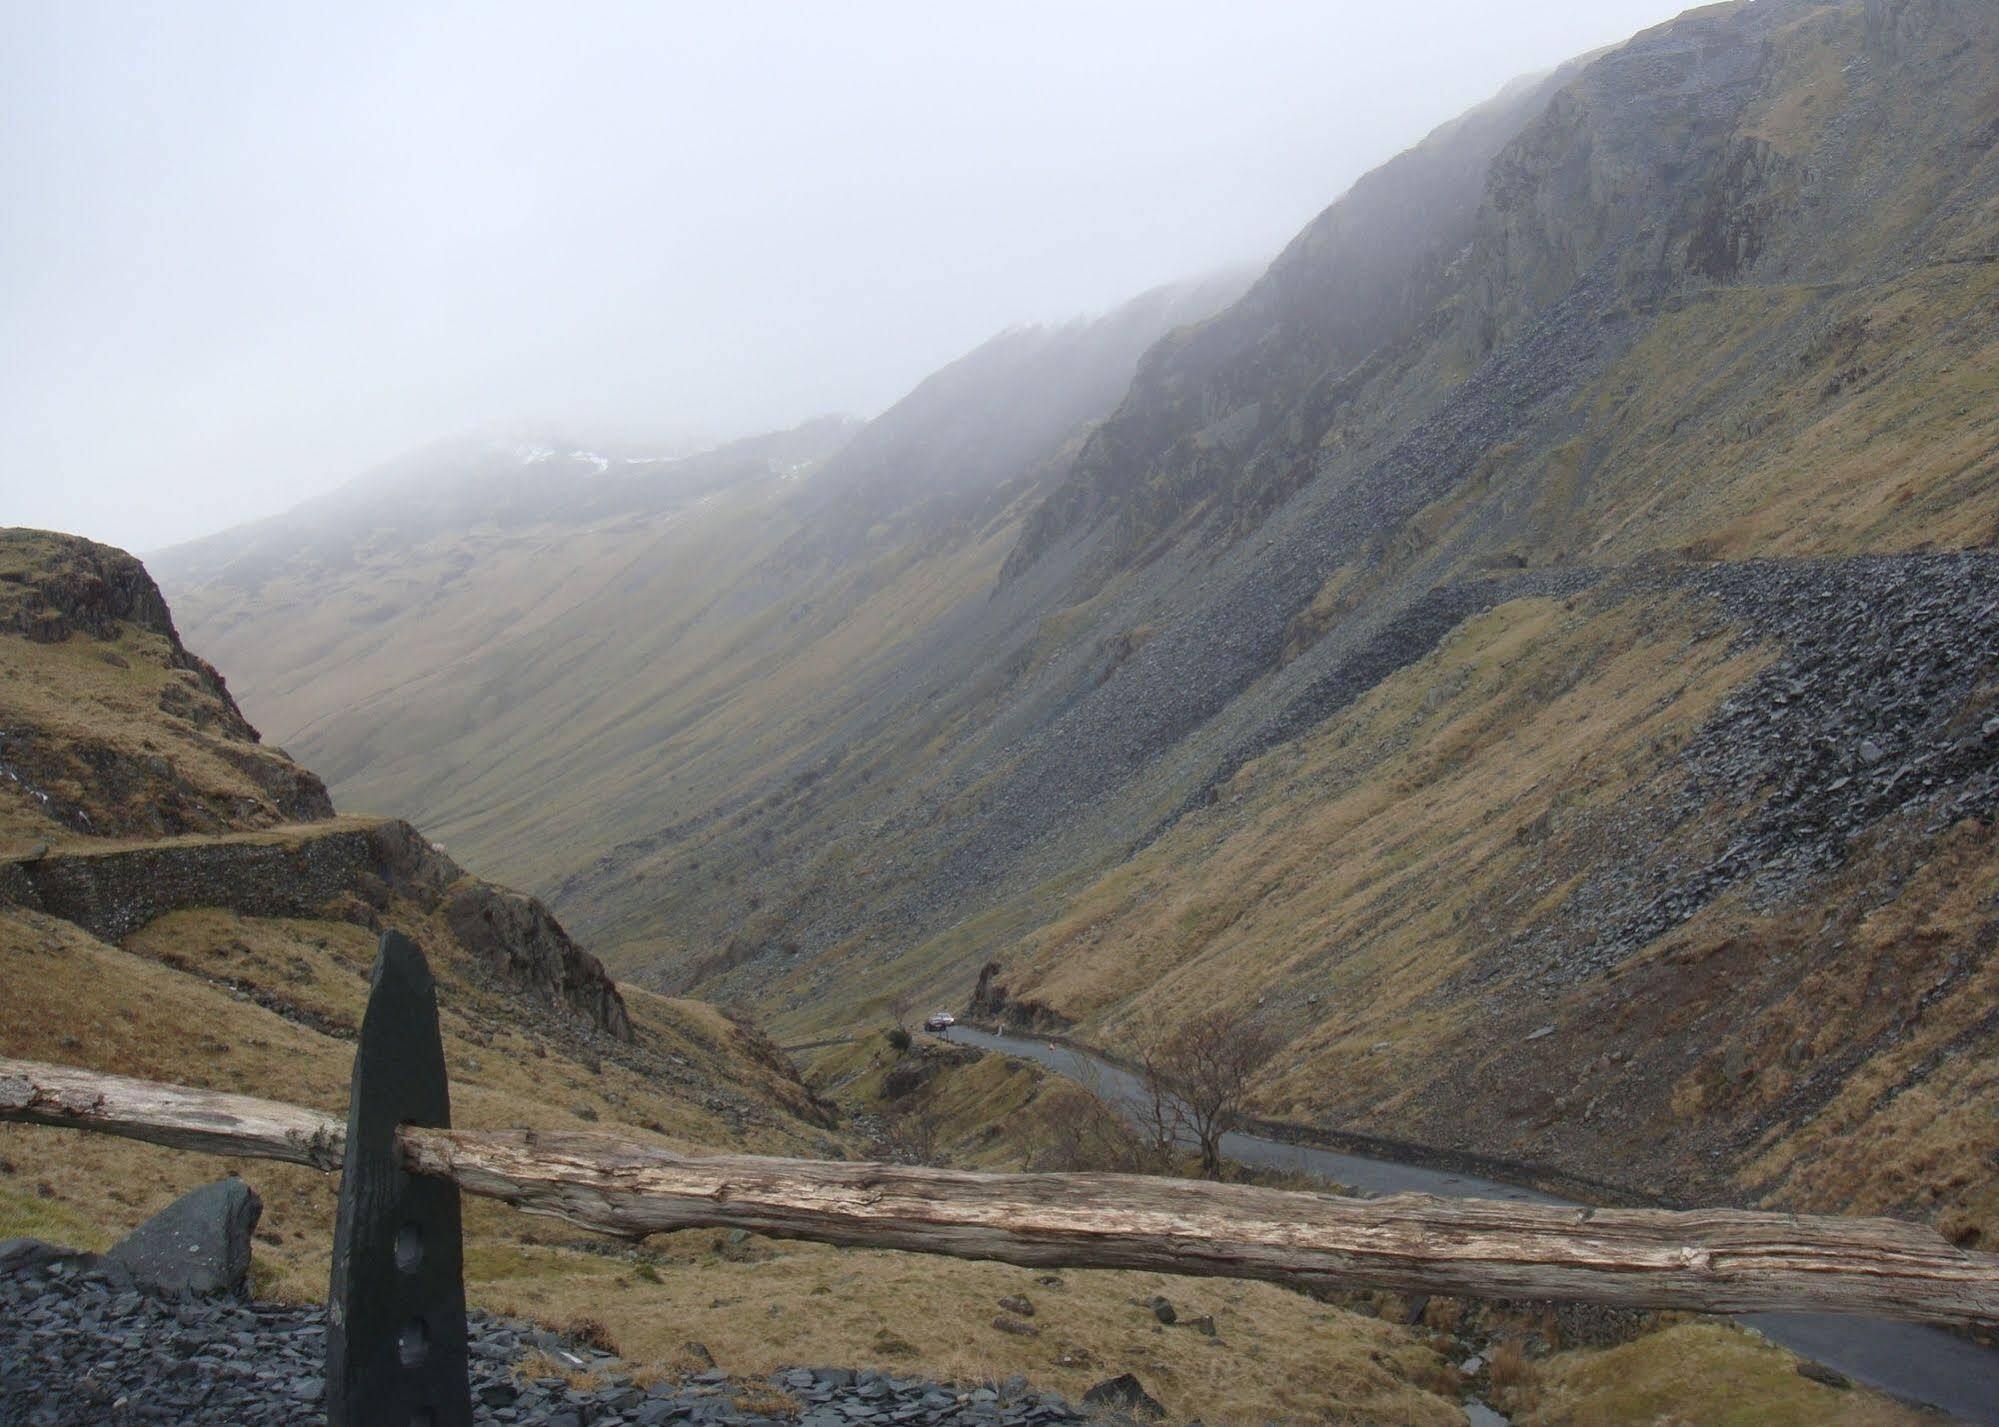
<point>1712,1260</point>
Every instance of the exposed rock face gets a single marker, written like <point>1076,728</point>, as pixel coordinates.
<point>345,871</point>
<point>158,751</point>
<point>76,586</point>
<point>521,939</point>
<point>136,778</point>
<point>79,586</point>
<point>1610,172</point>
<point>992,1002</point>
<point>1229,409</point>
<point>111,892</point>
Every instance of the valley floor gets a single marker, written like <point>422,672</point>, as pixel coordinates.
<point>185,999</point>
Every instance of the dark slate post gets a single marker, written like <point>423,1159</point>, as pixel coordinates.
<point>395,1342</point>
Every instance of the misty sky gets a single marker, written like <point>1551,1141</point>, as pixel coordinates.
<point>248,250</point>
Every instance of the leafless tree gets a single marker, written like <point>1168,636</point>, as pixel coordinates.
<point>1161,1115</point>
<point>1206,1066</point>
<point>1089,1135</point>
<point>914,1137</point>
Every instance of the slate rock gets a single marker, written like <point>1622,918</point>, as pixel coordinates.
<point>73,1347</point>
<point>29,1255</point>
<point>1820,1373</point>
<point>1124,1393</point>
<point>199,1244</point>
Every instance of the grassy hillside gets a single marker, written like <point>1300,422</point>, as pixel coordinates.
<point>1534,646</point>
<point>112,728</point>
<point>1548,1364</point>
<point>238,960</point>
<point>1398,889</point>
<point>537,689</point>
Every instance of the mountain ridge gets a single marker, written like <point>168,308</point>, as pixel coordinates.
<point>1636,363</point>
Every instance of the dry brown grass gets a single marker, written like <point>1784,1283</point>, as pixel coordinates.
<point>1510,1369</point>
<point>757,1307</point>
<point>90,693</point>
<point>778,1304</point>
<point>1789,452</point>
<point>1698,1375</point>
<point>66,997</point>
<point>1349,865</point>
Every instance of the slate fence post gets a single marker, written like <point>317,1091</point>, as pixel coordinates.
<point>396,1333</point>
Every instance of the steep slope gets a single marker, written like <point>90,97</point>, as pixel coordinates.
<point>1638,401</point>
<point>454,551</point>
<point>111,727</point>
<point>545,697</point>
<point>1586,843</point>
<point>1530,611</point>
<point>985,429</point>
<point>239,959</point>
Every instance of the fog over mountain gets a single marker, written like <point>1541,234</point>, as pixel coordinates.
<point>1354,602</point>
<point>247,251</point>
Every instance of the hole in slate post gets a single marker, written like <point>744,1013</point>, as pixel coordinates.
<point>413,1343</point>
<point>409,1248</point>
<point>423,1417</point>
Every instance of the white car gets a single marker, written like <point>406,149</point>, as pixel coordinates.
<point>942,1021</point>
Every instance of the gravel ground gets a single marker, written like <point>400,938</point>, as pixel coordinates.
<point>79,1346</point>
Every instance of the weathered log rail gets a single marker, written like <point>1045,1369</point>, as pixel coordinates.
<point>1724,1261</point>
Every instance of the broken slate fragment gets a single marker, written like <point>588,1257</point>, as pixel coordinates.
<point>200,1243</point>
<point>1124,1393</point>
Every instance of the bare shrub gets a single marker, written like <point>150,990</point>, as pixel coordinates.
<point>1205,1067</point>
<point>913,1137</point>
<point>1089,1136</point>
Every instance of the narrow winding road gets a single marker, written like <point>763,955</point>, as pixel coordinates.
<point>1910,1361</point>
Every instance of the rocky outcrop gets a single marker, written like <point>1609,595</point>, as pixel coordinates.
<point>520,939</point>
<point>1247,392</point>
<point>111,892</point>
<point>76,586</point>
<point>350,871</point>
<point>992,1002</point>
<point>1629,167</point>
<point>53,586</point>
<point>158,749</point>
